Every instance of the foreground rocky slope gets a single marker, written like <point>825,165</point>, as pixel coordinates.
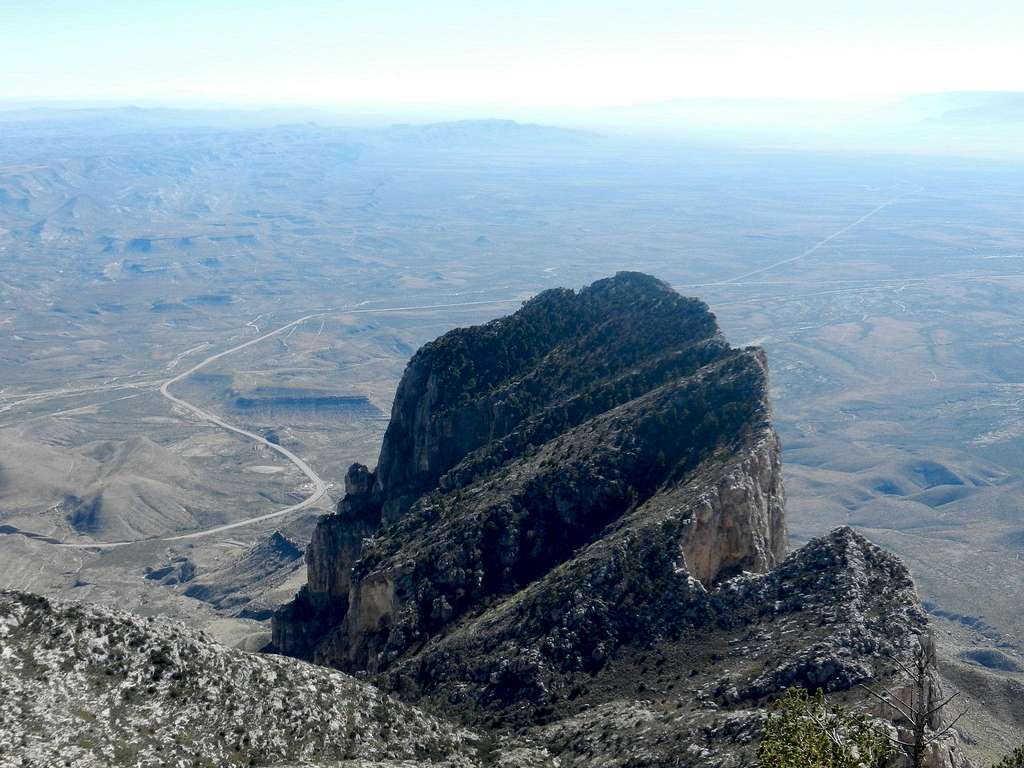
<point>556,482</point>
<point>91,686</point>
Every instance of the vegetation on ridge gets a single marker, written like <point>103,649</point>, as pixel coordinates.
<point>804,731</point>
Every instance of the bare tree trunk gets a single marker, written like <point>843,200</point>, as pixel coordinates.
<point>919,710</point>
<point>924,660</point>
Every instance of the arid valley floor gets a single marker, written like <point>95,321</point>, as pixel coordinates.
<point>886,292</point>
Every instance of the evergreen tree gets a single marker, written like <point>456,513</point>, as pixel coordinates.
<point>1013,760</point>
<point>804,731</point>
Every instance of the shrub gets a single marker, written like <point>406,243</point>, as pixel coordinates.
<point>1013,760</point>
<point>803,731</point>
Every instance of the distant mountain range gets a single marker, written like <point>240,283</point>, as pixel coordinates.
<point>967,123</point>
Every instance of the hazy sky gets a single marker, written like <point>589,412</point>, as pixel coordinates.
<point>564,53</point>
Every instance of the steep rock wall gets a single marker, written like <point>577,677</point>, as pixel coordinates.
<point>611,430</point>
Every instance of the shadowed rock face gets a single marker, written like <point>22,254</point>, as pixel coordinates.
<point>568,478</point>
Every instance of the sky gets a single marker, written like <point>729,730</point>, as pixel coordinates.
<point>569,54</point>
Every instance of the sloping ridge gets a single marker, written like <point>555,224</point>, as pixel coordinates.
<point>563,480</point>
<point>94,686</point>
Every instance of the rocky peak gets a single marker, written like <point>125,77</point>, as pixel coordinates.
<point>474,387</point>
<point>551,448</point>
<point>576,528</point>
<point>358,480</point>
<point>280,545</point>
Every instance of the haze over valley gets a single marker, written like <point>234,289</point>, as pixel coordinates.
<point>195,312</point>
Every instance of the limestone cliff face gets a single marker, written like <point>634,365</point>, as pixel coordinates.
<point>337,540</point>
<point>335,546</point>
<point>565,479</point>
<point>739,523</point>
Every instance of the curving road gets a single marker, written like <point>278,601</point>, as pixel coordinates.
<point>319,486</point>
